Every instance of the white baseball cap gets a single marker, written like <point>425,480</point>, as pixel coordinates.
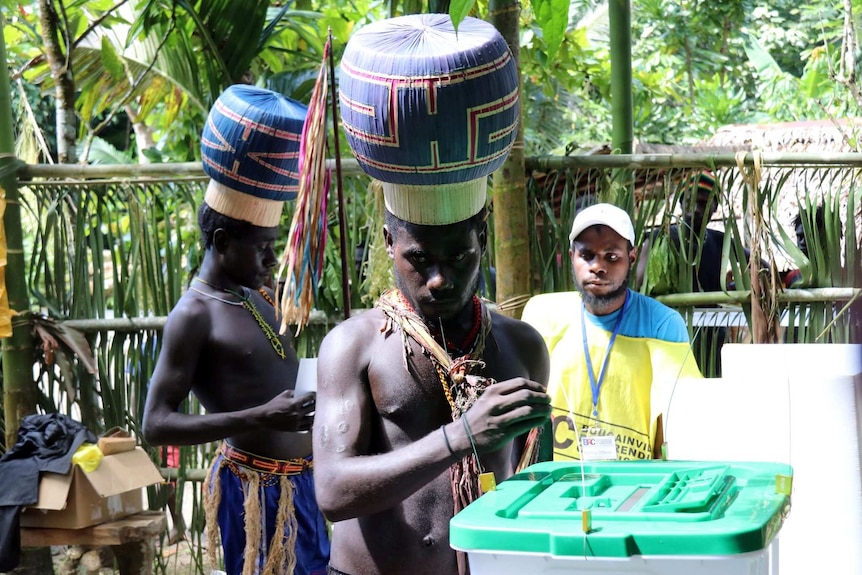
<point>607,215</point>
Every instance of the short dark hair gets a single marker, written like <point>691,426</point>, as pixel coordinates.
<point>210,220</point>
<point>819,216</point>
<point>478,222</point>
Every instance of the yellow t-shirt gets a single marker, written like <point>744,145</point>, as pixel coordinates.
<point>651,348</point>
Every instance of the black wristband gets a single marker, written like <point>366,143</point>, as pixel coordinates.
<point>446,439</point>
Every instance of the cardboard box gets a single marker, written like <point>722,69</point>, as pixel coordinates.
<point>111,445</point>
<point>80,499</point>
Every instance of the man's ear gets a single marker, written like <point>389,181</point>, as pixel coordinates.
<point>221,239</point>
<point>483,238</point>
<point>389,240</point>
<point>633,255</point>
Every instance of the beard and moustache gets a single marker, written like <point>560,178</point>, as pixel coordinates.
<point>603,301</point>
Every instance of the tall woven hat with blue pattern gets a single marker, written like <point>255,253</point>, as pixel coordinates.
<point>429,112</point>
<point>250,151</point>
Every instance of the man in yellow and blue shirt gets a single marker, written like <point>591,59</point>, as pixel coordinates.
<point>608,346</point>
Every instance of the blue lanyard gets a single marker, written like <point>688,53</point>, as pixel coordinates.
<point>597,385</point>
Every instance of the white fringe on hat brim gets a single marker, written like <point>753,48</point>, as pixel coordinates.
<point>241,206</point>
<point>438,205</point>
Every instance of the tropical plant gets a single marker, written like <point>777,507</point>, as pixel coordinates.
<point>158,66</point>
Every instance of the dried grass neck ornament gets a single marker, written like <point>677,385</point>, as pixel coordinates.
<point>246,302</point>
<point>460,377</point>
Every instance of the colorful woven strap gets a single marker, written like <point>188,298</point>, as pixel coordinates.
<point>265,464</point>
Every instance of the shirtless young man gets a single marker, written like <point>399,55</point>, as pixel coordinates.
<point>411,390</point>
<point>221,343</point>
<point>384,435</point>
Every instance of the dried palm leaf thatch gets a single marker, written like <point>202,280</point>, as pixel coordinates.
<point>797,185</point>
<point>302,261</point>
<point>764,290</point>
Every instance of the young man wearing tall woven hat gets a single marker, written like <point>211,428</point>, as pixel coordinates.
<point>421,399</point>
<point>221,343</point>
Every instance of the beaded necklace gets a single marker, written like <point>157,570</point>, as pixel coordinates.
<point>453,373</point>
<point>461,391</point>
<point>457,350</point>
<point>211,296</point>
<point>246,302</point>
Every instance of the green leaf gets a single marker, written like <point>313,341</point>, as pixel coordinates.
<point>662,268</point>
<point>111,61</point>
<point>760,58</point>
<point>554,18</point>
<point>458,10</point>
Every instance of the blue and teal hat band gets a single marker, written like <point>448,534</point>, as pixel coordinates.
<point>424,106</point>
<point>250,150</point>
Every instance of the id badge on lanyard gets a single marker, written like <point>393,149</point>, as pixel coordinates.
<point>598,447</point>
<point>595,445</point>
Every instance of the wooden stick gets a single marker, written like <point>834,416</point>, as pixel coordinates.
<point>339,188</point>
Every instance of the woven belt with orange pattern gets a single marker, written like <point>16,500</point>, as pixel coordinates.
<point>265,464</point>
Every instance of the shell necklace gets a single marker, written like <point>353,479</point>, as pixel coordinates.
<point>246,302</point>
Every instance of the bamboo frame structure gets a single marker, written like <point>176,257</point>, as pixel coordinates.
<point>128,325</point>
<point>698,160</point>
<point>350,167</point>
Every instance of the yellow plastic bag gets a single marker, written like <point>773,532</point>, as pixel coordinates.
<point>88,456</point>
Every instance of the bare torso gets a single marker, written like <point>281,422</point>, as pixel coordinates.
<point>239,369</point>
<point>412,536</point>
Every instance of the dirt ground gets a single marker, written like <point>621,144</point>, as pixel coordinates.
<point>182,558</point>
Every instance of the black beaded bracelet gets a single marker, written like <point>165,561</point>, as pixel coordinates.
<point>446,439</point>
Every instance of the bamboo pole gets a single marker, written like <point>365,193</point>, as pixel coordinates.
<point>509,189</point>
<point>19,393</point>
<point>744,296</point>
<point>622,124</point>
<point>700,160</point>
<point>413,6</point>
<point>339,186</point>
<point>156,323</point>
<point>349,167</point>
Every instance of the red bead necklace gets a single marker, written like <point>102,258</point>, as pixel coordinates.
<point>452,348</point>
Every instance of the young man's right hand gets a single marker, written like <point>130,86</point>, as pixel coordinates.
<point>284,412</point>
<point>504,411</point>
